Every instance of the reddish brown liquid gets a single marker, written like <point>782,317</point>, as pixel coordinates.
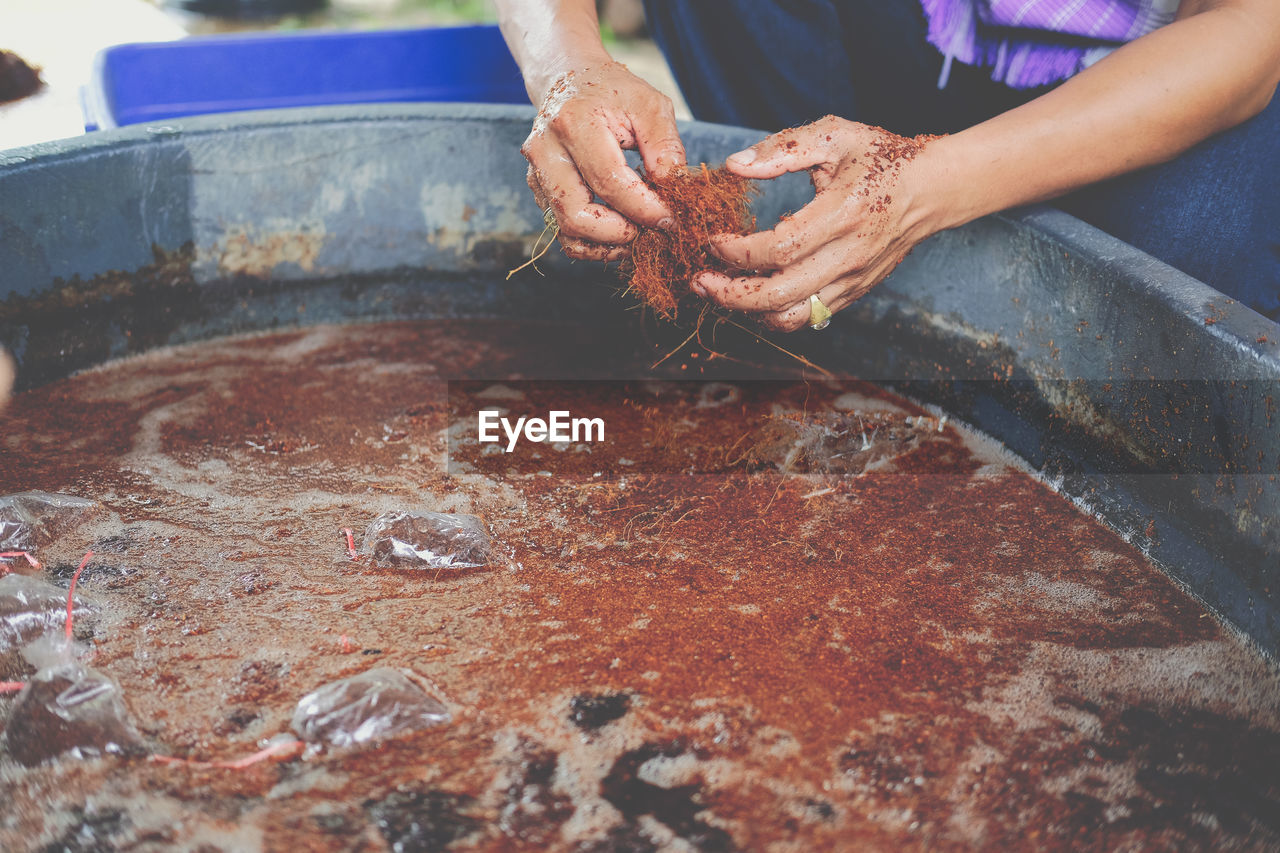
<point>926,648</point>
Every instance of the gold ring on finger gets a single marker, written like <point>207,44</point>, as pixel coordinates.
<point>819,314</point>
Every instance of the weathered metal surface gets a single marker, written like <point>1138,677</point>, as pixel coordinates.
<point>1147,395</point>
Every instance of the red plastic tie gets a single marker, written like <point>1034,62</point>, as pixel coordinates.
<point>72,591</point>
<point>35,564</point>
<point>238,764</point>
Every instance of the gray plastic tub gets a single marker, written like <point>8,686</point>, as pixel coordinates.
<point>1144,394</point>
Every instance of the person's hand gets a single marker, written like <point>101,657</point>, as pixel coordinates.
<point>864,218</point>
<point>6,377</point>
<point>575,150</point>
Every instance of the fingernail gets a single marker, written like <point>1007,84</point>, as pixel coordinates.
<point>743,158</point>
<point>666,223</point>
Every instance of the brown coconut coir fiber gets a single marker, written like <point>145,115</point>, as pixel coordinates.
<point>703,202</point>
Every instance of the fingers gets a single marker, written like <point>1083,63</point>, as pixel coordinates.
<point>753,294</point>
<point>791,150</point>
<point>846,240</point>
<point>576,247</point>
<point>658,139</point>
<point>758,294</point>
<point>583,250</point>
<point>837,296</point>
<point>576,149</point>
<point>828,216</point>
<point>600,160</point>
<point>795,315</point>
<point>799,315</point>
<point>555,181</point>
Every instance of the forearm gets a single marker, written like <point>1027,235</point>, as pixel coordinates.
<point>1146,103</point>
<point>550,37</point>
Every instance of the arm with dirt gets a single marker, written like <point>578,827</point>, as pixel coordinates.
<point>591,109</point>
<point>879,195</point>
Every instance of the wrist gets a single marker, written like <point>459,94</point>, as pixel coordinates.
<point>948,190</point>
<point>541,75</point>
<point>549,38</point>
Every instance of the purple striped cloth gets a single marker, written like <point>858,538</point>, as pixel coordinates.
<point>1029,43</point>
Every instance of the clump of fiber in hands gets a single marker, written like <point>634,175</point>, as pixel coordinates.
<point>703,202</point>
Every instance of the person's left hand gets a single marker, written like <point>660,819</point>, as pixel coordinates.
<point>863,220</point>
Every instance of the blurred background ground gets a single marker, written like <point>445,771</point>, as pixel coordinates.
<point>62,36</point>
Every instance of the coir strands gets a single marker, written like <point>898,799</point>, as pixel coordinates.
<point>703,203</point>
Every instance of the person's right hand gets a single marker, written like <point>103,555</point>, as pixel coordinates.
<point>587,118</point>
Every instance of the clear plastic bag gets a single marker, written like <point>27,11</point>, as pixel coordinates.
<point>69,708</point>
<point>29,520</point>
<point>371,706</point>
<point>429,540</point>
<point>31,607</point>
<point>838,443</point>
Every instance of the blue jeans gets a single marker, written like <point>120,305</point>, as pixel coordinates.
<point>1214,212</point>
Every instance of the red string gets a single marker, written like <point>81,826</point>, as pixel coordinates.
<point>238,764</point>
<point>35,564</point>
<point>72,591</point>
